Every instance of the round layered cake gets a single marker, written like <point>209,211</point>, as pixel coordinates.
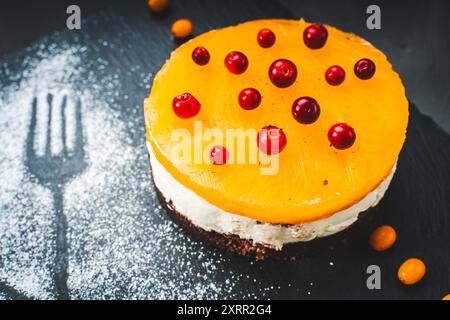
<point>274,134</point>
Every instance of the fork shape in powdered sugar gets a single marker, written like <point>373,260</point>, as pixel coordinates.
<point>54,171</point>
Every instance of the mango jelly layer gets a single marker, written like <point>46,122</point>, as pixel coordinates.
<point>314,180</point>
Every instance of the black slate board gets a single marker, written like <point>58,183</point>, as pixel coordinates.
<point>116,51</point>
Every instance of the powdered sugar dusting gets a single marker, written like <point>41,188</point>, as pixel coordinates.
<point>121,244</point>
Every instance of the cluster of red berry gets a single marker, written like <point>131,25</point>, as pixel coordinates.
<point>282,74</point>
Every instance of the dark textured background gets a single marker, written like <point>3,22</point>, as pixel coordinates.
<point>414,35</point>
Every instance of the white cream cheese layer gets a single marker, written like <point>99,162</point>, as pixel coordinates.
<point>211,218</point>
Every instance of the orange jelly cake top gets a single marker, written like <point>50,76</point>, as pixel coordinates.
<point>281,121</point>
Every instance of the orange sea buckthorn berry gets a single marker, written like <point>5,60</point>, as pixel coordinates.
<point>182,28</point>
<point>383,238</point>
<point>411,271</point>
<point>157,5</point>
<point>447,297</point>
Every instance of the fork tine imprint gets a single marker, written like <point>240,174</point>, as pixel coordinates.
<point>48,141</point>
<point>63,125</point>
<point>79,139</point>
<point>29,148</point>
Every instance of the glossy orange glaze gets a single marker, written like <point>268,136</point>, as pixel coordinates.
<point>314,180</point>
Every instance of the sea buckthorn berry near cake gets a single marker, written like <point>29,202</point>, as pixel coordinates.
<point>294,202</point>
<point>315,36</point>
<point>364,69</point>
<point>186,106</point>
<point>236,62</point>
<point>341,136</point>
<point>249,98</point>
<point>157,5</point>
<point>219,155</point>
<point>182,28</point>
<point>271,140</point>
<point>266,38</point>
<point>282,73</point>
<point>200,55</point>
<point>411,271</point>
<point>305,110</point>
<point>335,75</point>
<point>383,238</point>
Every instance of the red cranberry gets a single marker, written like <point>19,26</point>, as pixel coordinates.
<point>283,73</point>
<point>266,38</point>
<point>341,136</point>
<point>249,98</point>
<point>200,55</point>
<point>315,36</point>
<point>364,69</point>
<point>271,140</point>
<point>335,75</point>
<point>236,62</point>
<point>186,106</point>
<point>305,110</point>
<point>218,155</point>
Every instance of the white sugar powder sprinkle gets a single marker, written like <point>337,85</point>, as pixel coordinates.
<point>121,243</point>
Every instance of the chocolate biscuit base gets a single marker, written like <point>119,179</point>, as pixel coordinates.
<point>358,231</point>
